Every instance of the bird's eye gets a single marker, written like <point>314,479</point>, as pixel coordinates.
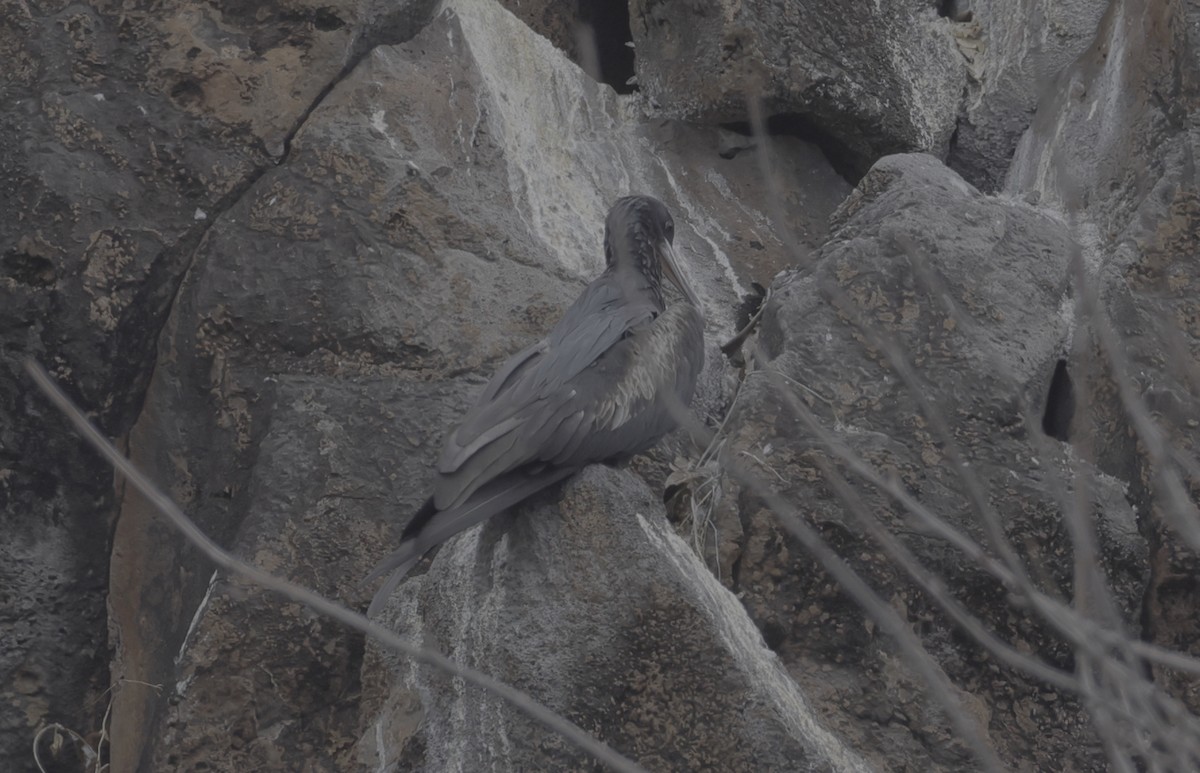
<point>669,229</point>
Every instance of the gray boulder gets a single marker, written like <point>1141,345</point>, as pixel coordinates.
<point>588,600</point>
<point>969,292</point>
<point>865,79</point>
<point>1113,148</point>
<point>1014,53</point>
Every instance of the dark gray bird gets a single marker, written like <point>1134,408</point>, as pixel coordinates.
<point>606,383</point>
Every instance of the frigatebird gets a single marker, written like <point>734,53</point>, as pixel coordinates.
<point>608,381</point>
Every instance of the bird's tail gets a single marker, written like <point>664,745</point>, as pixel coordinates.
<point>430,527</point>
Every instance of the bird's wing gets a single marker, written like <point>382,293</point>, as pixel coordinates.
<point>633,394</point>
<point>593,323</point>
<point>531,394</point>
<point>431,527</point>
<point>620,403</point>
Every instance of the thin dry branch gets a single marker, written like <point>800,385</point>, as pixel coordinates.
<point>1019,581</point>
<point>936,590</point>
<point>911,649</point>
<point>319,604</point>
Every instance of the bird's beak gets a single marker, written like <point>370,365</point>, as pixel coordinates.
<point>671,269</point>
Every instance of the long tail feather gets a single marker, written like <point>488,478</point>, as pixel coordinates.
<point>431,528</point>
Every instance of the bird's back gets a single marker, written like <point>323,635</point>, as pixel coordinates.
<point>607,381</point>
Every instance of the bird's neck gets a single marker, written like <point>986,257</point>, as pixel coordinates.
<point>633,263</point>
<point>636,285</point>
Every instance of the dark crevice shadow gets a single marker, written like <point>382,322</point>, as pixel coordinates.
<point>607,22</point>
<point>956,10</point>
<point>849,165</point>
<point>1060,404</point>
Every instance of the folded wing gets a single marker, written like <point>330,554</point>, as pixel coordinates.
<point>608,381</point>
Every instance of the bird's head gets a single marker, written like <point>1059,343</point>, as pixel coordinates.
<point>639,235</point>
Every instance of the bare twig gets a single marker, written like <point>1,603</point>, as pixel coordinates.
<point>316,602</point>
<point>935,589</point>
<point>939,685</point>
<point>1099,641</point>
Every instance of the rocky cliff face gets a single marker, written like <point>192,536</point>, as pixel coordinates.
<point>276,250</point>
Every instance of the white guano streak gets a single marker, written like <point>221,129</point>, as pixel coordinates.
<point>187,637</point>
<point>548,131</point>
<point>698,221</point>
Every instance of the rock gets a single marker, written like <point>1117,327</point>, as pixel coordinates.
<point>437,211</point>
<point>102,174</point>
<point>868,79</point>
<point>1091,132</point>
<point>1014,53</point>
<point>1112,148</point>
<point>125,137</point>
<point>591,33</point>
<point>250,679</point>
<point>558,22</point>
<point>589,600</point>
<point>970,291</point>
<point>275,251</point>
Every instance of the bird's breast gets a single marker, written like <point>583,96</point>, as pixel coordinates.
<point>663,362</point>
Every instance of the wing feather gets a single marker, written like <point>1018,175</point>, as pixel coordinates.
<point>633,395</point>
<point>563,434</point>
<point>490,461</point>
<point>498,495</point>
<point>511,369</point>
<point>531,394</point>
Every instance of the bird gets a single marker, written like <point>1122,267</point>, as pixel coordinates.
<point>607,382</point>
